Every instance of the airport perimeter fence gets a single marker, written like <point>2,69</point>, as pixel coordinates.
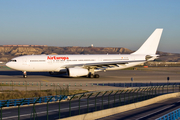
<point>14,90</point>
<point>28,101</point>
<point>174,115</point>
<point>94,101</point>
<point>39,85</point>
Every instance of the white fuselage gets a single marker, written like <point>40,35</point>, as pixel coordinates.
<point>40,63</point>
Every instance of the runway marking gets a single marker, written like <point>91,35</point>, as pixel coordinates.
<point>42,108</point>
<point>103,100</point>
<point>45,80</point>
<point>6,112</point>
<point>155,112</point>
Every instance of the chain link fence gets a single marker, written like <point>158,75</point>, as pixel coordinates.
<point>91,101</point>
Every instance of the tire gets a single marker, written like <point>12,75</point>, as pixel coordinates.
<point>24,76</point>
<point>90,75</point>
<point>96,76</point>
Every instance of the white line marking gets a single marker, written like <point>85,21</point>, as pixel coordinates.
<point>5,112</point>
<point>43,108</point>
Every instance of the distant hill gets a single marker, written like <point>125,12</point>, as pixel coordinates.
<point>8,52</point>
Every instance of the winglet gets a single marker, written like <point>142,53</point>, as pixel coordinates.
<point>150,46</point>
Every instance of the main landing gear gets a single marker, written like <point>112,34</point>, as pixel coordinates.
<point>24,74</point>
<point>93,76</point>
<point>91,73</point>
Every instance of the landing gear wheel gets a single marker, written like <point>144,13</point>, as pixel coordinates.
<point>96,76</point>
<point>90,75</point>
<point>24,74</point>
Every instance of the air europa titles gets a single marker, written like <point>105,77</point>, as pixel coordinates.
<point>57,58</point>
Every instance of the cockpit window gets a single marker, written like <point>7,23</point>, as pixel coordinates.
<point>13,61</point>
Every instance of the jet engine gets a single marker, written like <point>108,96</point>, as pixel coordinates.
<point>77,72</point>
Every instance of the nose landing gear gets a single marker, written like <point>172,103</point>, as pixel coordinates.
<point>24,74</point>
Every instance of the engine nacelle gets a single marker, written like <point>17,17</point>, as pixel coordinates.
<point>77,72</point>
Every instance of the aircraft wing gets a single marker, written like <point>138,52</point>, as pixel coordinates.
<point>100,64</point>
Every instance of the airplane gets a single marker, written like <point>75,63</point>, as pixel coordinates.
<point>87,65</point>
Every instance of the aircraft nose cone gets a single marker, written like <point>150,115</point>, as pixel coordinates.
<point>8,64</point>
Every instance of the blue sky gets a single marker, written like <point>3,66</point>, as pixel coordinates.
<point>103,23</point>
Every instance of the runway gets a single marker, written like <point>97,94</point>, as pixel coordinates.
<point>153,74</point>
<point>141,75</point>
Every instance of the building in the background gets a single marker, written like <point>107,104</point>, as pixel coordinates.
<point>91,45</point>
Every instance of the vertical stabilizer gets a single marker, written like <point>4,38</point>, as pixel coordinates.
<point>150,46</point>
